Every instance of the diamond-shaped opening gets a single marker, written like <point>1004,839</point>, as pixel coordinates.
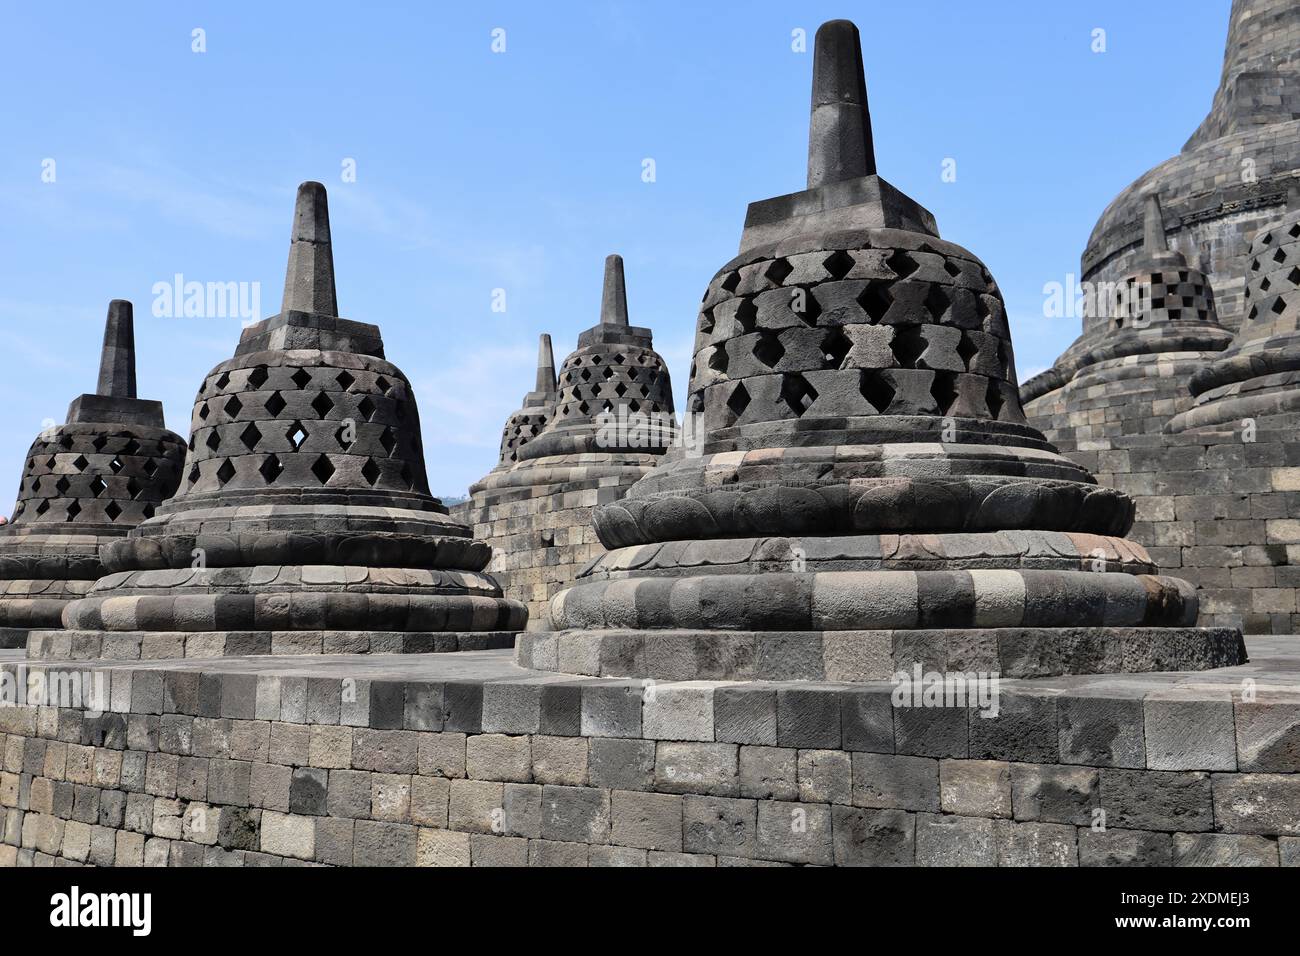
<point>258,376</point>
<point>271,468</point>
<point>43,507</point>
<point>944,390</point>
<point>747,315</point>
<point>1294,231</point>
<point>366,407</point>
<point>1254,265</point>
<point>275,404</point>
<point>344,379</point>
<point>62,485</point>
<point>340,436</point>
<point>150,467</point>
<point>80,463</point>
<point>301,378</point>
<point>383,384</point>
<point>951,268</point>
<point>838,264</point>
<point>1294,276</point>
<point>738,400</point>
<point>718,358</point>
<point>204,412</point>
<point>250,436</point>
<point>370,471</point>
<point>967,350</point>
<point>595,360</point>
<point>97,486</point>
<point>778,271</point>
<point>115,465</point>
<point>609,372</point>
<point>620,389</point>
<point>706,322</point>
<point>225,472</point>
<point>902,264</point>
<point>388,440</point>
<point>222,381</point>
<point>937,302</point>
<point>113,510</point>
<point>133,488</point>
<point>322,404</point>
<point>618,359</point>
<point>213,440</point>
<point>1279,256</point>
<point>1278,305</point>
<point>585,375</point>
<point>1264,284</point>
<point>993,397</point>
<point>835,347</point>
<point>731,281</point>
<point>633,405</point>
<point>876,300</point>
<point>323,469</point>
<point>806,306</point>
<point>74,509</point>
<point>99,442</point>
<point>878,392</point>
<point>148,511</point>
<point>296,435</point>
<point>234,406</point>
<point>584,408</point>
<point>797,393</point>
<point>194,473</point>
<point>595,391</point>
<point>908,344</point>
<point>768,349</point>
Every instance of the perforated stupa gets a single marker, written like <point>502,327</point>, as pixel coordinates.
<point>869,497</point>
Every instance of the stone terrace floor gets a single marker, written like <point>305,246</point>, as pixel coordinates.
<point>1274,665</point>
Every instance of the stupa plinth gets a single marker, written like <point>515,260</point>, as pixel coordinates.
<point>303,523</point>
<point>86,482</point>
<point>870,496</point>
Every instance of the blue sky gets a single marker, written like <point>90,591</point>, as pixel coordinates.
<point>521,170</point>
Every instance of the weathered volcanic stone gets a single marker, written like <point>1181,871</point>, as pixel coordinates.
<point>304,522</point>
<point>1232,175</point>
<point>867,478</point>
<point>1128,375</point>
<point>570,448</point>
<point>86,482</point>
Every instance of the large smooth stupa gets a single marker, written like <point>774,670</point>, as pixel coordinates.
<point>869,496</point>
<point>304,522</point>
<point>85,483</point>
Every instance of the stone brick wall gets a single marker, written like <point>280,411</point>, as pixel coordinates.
<point>541,535</point>
<point>1217,511</point>
<point>240,768</point>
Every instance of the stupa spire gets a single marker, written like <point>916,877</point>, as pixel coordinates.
<point>1153,227</point>
<point>117,360</point>
<point>309,278</point>
<point>839,131</point>
<point>545,366</point>
<point>613,300</point>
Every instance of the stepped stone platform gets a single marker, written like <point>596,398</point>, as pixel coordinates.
<point>572,445</point>
<point>468,759</point>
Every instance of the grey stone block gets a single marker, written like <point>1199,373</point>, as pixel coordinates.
<point>650,821</point>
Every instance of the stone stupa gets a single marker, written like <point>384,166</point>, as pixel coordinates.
<point>1257,378</point>
<point>869,496</point>
<point>607,423</point>
<point>85,483</point>
<point>304,522</point>
<point>1128,375</point>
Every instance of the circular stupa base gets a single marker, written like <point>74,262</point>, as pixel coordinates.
<point>85,645</point>
<point>1012,652</point>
